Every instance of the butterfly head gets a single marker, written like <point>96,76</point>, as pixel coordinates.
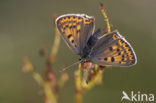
<point>83,60</point>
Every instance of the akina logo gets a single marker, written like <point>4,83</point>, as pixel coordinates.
<point>138,97</point>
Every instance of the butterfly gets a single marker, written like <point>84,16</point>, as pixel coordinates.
<point>110,49</point>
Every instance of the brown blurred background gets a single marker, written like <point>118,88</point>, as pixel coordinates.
<point>26,24</point>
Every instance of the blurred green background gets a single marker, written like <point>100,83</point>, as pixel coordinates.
<point>26,24</point>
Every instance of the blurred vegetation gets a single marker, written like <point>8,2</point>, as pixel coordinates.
<point>25,25</point>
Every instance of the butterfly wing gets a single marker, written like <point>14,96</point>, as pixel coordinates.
<point>113,50</point>
<point>87,31</point>
<point>75,30</point>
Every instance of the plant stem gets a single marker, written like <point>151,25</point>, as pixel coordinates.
<point>55,46</point>
<point>103,11</point>
<point>78,87</point>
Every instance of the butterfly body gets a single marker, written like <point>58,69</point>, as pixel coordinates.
<point>90,43</point>
<point>110,49</point>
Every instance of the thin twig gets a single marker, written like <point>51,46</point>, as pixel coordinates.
<point>103,11</point>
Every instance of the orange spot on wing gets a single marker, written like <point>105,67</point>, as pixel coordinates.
<point>114,47</point>
<point>114,36</point>
<point>78,27</point>
<point>87,21</point>
<point>71,38</point>
<point>120,43</point>
<point>109,59</point>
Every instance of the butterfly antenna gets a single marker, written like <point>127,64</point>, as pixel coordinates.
<point>69,66</point>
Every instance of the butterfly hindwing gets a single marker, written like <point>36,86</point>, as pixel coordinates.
<point>75,29</point>
<point>113,50</point>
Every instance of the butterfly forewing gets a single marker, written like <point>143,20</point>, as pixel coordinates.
<point>113,50</point>
<point>76,30</point>
<point>69,27</point>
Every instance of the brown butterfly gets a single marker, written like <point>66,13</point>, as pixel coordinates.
<point>110,49</point>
